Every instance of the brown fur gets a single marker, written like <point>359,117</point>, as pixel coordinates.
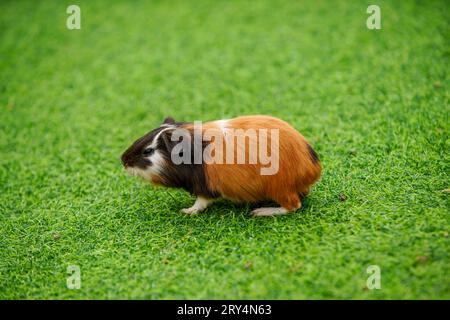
<point>299,167</point>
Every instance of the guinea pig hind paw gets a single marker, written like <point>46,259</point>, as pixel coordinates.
<point>190,211</point>
<point>269,211</point>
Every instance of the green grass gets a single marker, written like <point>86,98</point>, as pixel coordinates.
<point>374,104</point>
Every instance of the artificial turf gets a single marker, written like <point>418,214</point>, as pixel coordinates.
<point>373,103</point>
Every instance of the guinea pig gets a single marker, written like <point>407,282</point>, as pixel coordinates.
<point>244,159</point>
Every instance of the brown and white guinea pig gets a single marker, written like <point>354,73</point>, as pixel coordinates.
<point>245,159</point>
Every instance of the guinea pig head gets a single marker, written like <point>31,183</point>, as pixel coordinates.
<point>149,155</point>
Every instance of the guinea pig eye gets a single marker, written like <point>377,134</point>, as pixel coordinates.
<point>148,152</point>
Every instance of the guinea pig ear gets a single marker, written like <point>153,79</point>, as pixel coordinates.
<point>166,139</point>
<point>169,120</point>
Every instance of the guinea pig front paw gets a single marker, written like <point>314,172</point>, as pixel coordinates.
<point>190,211</point>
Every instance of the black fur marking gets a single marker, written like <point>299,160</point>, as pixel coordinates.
<point>172,121</point>
<point>133,157</point>
<point>190,177</point>
<point>313,155</point>
<point>169,120</point>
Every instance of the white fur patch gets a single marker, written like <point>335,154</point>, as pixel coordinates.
<point>155,140</point>
<point>144,174</point>
<point>156,168</point>
<point>157,162</point>
<point>222,124</point>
